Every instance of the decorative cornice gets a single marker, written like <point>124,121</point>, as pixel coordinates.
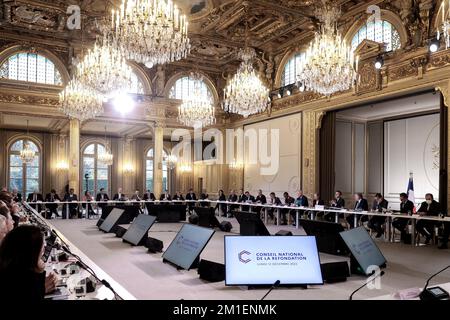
<point>29,99</point>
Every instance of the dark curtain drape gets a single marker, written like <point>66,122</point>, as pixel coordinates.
<point>443,181</point>
<point>326,156</point>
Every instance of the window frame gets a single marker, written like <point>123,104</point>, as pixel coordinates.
<point>364,26</point>
<point>165,168</point>
<point>95,179</point>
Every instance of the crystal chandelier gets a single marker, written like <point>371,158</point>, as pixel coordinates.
<point>171,161</point>
<point>27,154</point>
<point>328,64</point>
<point>197,109</point>
<point>151,31</point>
<point>104,67</point>
<point>80,102</point>
<point>445,25</point>
<point>106,157</point>
<point>245,93</point>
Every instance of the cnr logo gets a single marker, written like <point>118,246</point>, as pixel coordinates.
<point>242,256</point>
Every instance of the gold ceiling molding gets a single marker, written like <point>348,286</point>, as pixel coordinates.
<point>29,100</point>
<point>444,88</point>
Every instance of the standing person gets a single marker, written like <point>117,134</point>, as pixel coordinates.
<point>360,205</point>
<point>406,207</point>
<point>191,196</point>
<point>376,222</point>
<point>429,208</point>
<point>73,208</point>
<point>22,270</point>
<point>52,208</point>
<point>102,198</point>
<point>222,207</point>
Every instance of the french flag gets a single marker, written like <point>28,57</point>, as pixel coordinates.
<point>410,191</point>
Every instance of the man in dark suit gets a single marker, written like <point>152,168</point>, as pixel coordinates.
<point>406,207</point>
<point>178,196</point>
<point>247,198</point>
<point>360,205</point>
<point>52,208</point>
<point>317,201</point>
<point>17,196</point>
<point>102,198</point>
<point>33,198</point>
<point>165,196</point>
<point>261,199</point>
<point>241,196</point>
<point>376,222</point>
<point>429,207</point>
<point>300,201</point>
<point>73,208</point>
<point>273,200</point>
<point>232,197</point>
<point>119,196</point>
<point>288,201</point>
<point>221,208</point>
<point>337,202</point>
<point>190,196</point>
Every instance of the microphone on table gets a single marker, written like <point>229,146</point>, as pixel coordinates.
<point>275,285</point>
<point>365,284</point>
<point>434,293</point>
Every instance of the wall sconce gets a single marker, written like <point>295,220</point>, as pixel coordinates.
<point>62,165</point>
<point>128,169</point>
<point>185,167</point>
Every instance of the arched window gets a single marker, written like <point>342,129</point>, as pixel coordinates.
<point>292,69</point>
<point>184,86</point>
<point>97,172</point>
<point>25,177</point>
<point>136,86</point>
<point>149,170</point>
<point>380,31</point>
<point>30,67</point>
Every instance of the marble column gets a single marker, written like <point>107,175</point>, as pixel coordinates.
<point>157,159</point>
<point>74,155</point>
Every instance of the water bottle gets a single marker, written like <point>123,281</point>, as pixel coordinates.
<point>54,256</point>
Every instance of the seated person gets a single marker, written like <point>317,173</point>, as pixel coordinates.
<point>178,196</point>
<point>4,212</point>
<point>204,196</point>
<point>149,196</point>
<point>275,201</point>
<point>376,223</point>
<point>429,207</point>
<point>288,201</point>
<point>119,196</point>
<point>22,270</point>
<point>247,198</point>
<point>222,207</point>
<point>165,196</point>
<point>102,197</point>
<point>360,205</point>
<point>337,202</point>
<point>406,207</point>
<point>136,196</point>
<point>317,201</point>
<point>88,198</point>
<point>261,199</point>
<point>52,208</point>
<point>17,196</point>
<point>190,196</point>
<point>3,228</point>
<point>14,210</point>
<point>232,197</point>
<point>73,208</point>
<point>241,196</point>
<point>300,201</point>
<point>35,197</point>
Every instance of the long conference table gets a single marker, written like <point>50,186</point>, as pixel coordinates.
<point>310,212</point>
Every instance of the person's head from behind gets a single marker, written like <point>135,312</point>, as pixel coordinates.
<point>429,198</point>
<point>3,228</point>
<point>22,250</point>
<point>403,197</point>
<point>4,211</point>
